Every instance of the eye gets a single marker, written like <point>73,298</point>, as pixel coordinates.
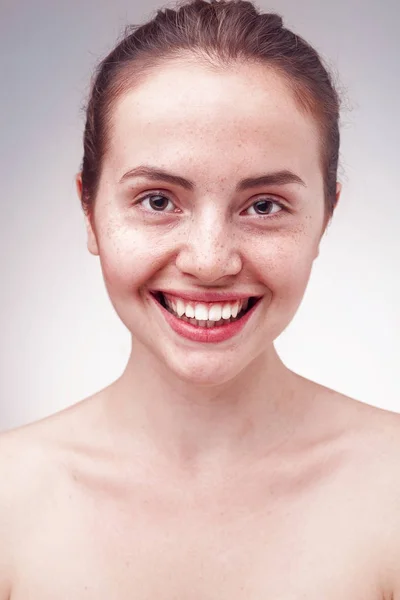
<point>264,206</point>
<point>159,202</point>
<point>156,202</point>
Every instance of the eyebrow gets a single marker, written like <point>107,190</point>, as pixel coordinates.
<point>154,174</point>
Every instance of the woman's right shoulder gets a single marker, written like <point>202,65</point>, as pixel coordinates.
<point>26,472</point>
<point>16,460</point>
<point>34,456</point>
<point>28,458</point>
<point>21,452</point>
<point>22,459</point>
<point>7,495</point>
<point>16,476</point>
<point>34,459</point>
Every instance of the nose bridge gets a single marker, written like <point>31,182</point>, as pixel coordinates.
<point>210,251</point>
<point>208,229</point>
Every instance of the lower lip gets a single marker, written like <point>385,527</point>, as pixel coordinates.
<point>196,333</point>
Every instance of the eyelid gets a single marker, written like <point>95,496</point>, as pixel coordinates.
<point>271,198</point>
<point>259,198</point>
<point>146,196</point>
<point>167,195</point>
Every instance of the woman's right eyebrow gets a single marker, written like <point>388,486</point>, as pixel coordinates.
<point>282,177</point>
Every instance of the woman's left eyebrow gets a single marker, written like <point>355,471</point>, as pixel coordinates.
<point>276,178</point>
<point>282,177</point>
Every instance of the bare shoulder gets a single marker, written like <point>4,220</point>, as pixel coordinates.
<point>7,493</point>
<point>370,439</point>
<point>36,451</point>
<point>33,457</point>
<point>373,435</point>
<point>379,438</point>
<point>374,441</point>
<point>19,476</point>
<point>26,462</point>
<point>33,465</point>
<point>384,482</point>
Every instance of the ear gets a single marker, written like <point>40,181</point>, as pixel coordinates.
<point>338,192</point>
<point>89,222</point>
<point>337,196</point>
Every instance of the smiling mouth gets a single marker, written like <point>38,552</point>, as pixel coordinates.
<point>252,301</point>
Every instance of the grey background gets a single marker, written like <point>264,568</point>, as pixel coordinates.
<point>60,337</point>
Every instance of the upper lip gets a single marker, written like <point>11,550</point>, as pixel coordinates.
<point>198,296</point>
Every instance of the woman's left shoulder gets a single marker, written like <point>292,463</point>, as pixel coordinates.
<point>377,448</point>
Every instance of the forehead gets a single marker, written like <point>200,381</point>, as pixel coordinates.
<point>214,121</point>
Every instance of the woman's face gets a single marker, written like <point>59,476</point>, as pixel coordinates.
<point>210,244</point>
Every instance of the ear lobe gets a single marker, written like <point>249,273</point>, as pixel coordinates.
<point>338,192</point>
<point>92,245</point>
<point>337,197</point>
<point>78,183</point>
<point>90,230</point>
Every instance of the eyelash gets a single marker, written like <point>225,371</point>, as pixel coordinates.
<point>269,198</point>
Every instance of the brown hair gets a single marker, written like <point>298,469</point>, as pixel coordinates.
<point>220,32</point>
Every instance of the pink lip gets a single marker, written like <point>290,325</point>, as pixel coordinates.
<point>204,334</point>
<point>208,296</point>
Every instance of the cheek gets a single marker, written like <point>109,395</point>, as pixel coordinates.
<point>285,259</point>
<point>129,257</point>
<point>284,268</point>
<point>292,274</point>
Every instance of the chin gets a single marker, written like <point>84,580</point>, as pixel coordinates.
<point>201,370</point>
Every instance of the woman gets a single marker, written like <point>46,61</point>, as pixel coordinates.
<point>208,469</point>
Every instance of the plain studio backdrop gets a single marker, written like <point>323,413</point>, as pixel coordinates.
<point>60,337</point>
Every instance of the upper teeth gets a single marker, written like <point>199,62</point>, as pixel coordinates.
<point>213,311</point>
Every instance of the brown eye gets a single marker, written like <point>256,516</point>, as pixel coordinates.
<point>264,207</point>
<point>156,202</point>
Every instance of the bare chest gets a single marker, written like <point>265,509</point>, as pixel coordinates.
<point>316,542</point>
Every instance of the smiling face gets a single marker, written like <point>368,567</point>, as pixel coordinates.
<point>212,233</point>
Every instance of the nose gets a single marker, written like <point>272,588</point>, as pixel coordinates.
<point>211,251</point>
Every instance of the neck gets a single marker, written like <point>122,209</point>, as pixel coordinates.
<point>189,426</point>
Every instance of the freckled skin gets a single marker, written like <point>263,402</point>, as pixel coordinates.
<point>205,471</point>
<point>214,129</point>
